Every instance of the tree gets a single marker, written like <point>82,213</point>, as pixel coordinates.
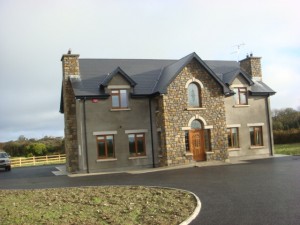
<point>286,119</point>
<point>36,149</point>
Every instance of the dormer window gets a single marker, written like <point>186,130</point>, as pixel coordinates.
<point>194,100</point>
<point>241,96</point>
<point>119,99</point>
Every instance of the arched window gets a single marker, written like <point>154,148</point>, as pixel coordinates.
<point>196,124</point>
<point>194,100</point>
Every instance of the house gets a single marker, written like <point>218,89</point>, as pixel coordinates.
<point>134,113</point>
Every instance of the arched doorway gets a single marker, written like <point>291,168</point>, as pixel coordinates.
<point>196,140</point>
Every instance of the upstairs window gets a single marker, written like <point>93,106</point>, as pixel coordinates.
<point>194,100</point>
<point>119,99</point>
<point>241,96</point>
<point>256,136</point>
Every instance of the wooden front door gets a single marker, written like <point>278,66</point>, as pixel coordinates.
<point>196,139</point>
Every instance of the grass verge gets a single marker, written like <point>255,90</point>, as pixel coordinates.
<point>288,149</point>
<point>96,205</point>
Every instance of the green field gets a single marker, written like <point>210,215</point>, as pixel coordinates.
<point>288,149</point>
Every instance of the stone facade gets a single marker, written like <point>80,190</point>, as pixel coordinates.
<point>174,116</point>
<point>252,66</point>
<point>70,68</point>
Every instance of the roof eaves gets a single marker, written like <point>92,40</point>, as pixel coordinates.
<point>262,93</point>
<point>182,63</point>
<point>102,96</point>
<point>246,76</point>
<point>61,109</point>
<point>226,90</point>
<point>157,80</point>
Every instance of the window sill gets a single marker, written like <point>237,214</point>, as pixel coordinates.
<point>256,147</point>
<point>106,160</point>
<point>240,106</point>
<point>138,157</point>
<point>209,153</point>
<point>125,109</point>
<point>194,109</point>
<point>234,149</point>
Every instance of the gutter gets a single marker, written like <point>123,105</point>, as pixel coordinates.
<point>270,127</point>
<point>85,138</point>
<point>151,129</point>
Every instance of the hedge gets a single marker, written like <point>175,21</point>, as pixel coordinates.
<point>286,136</point>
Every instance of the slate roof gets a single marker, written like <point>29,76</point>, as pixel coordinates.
<point>151,76</point>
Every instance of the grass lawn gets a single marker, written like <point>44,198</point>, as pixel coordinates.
<point>288,149</point>
<point>96,205</point>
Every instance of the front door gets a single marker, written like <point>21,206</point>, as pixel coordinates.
<point>196,139</point>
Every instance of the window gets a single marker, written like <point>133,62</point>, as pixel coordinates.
<point>105,145</point>
<point>207,140</point>
<point>136,145</point>
<point>187,142</point>
<point>119,99</point>
<point>233,137</point>
<point>256,136</point>
<point>194,95</point>
<point>196,124</point>
<point>241,96</point>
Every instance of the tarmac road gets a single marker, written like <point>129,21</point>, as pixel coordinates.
<point>265,191</point>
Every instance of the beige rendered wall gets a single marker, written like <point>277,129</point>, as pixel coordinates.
<point>255,113</point>
<point>101,119</point>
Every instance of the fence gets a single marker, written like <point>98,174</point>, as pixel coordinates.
<point>40,160</point>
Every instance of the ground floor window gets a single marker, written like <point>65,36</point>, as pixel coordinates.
<point>233,137</point>
<point>187,143</point>
<point>136,145</point>
<point>207,140</point>
<point>256,136</point>
<point>105,145</point>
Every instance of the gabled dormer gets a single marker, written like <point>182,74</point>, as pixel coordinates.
<point>118,85</point>
<point>117,77</point>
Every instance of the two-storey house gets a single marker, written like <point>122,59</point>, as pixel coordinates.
<point>134,113</point>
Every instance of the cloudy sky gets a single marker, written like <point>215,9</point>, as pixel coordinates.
<point>34,34</point>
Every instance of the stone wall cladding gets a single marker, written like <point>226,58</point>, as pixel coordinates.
<point>173,116</point>
<point>70,67</point>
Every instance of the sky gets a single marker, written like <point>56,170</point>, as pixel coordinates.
<point>34,34</point>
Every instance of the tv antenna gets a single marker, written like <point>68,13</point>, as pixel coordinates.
<point>237,50</point>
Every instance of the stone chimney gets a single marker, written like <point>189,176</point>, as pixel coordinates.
<point>252,66</point>
<point>70,66</point>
